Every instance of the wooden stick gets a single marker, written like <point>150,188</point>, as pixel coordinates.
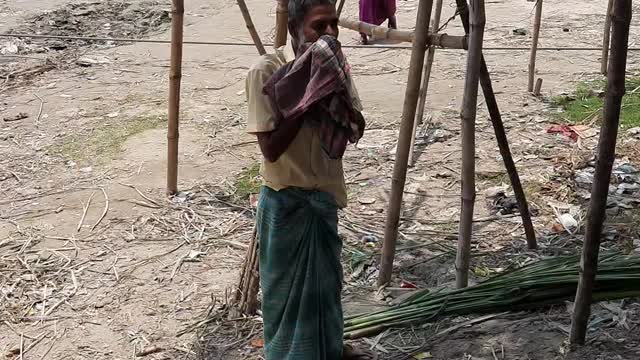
<point>468,117</point>
<point>534,45</point>
<point>538,87</point>
<point>381,32</point>
<point>402,153</point>
<point>175,76</point>
<point>606,38</point>
<point>252,29</point>
<point>426,76</point>
<point>501,137</point>
<point>621,20</point>
<point>340,6</point>
<point>282,18</point>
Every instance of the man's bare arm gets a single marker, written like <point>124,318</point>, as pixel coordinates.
<point>274,143</point>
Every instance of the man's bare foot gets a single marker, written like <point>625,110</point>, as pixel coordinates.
<point>364,40</point>
<point>351,352</point>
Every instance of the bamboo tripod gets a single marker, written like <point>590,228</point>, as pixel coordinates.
<point>468,178</point>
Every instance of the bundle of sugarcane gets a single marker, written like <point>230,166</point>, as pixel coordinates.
<point>543,283</point>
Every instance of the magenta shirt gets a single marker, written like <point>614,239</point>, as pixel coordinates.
<point>377,11</point>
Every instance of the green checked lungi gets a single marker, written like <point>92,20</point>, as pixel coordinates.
<point>300,274</point>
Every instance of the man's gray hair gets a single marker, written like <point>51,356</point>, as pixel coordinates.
<point>298,9</point>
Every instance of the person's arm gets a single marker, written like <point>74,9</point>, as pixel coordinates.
<point>274,143</point>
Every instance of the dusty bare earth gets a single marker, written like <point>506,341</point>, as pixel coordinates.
<point>95,263</point>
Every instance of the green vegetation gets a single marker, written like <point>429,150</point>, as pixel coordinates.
<point>105,141</point>
<point>549,281</point>
<point>585,105</point>
<point>248,182</point>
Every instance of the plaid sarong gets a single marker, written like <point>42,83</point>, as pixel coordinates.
<point>318,84</point>
<point>300,274</point>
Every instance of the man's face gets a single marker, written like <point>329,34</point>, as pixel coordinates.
<point>321,20</point>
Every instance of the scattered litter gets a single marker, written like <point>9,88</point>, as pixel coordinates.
<point>520,31</point>
<point>87,61</point>
<point>113,115</point>
<point>573,131</point>
<point>569,217</point>
<point>408,285</point>
<point>370,239</point>
<point>18,117</point>
<point>366,200</point>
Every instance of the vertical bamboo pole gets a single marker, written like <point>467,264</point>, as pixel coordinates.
<point>402,153</point>
<point>621,20</point>
<point>175,76</point>
<point>426,76</point>
<point>282,17</point>
<point>340,6</point>
<point>606,38</point>
<point>468,117</point>
<point>501,137</point>
<point>534,45</point>
<point>252,29</point>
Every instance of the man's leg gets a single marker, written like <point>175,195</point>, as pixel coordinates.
<point>364,39</point>
<point>392,23</point>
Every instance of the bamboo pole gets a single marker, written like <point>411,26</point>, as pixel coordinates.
<point>501,137</point>
<point>426,76</point>
<point>402,153</point>
<point>252,29</point>
<point>282,17</point>
<point>175,76</point>
<point>621,20</point>
<point>606,38</point>
<point>385,33</point>
<point>534,45</point>
<point>468,117</point>
<point>340,6</point>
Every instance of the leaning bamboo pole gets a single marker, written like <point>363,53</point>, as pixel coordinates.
<point>426,76</point>
<point>468,117</point>
<point>252,29</point>
<point>175,76</point>
<point>385,33</point>
<point>534,45</point>
<point>606,38</point>
<point>340,7</point>
<point>402,153</point>
<point>501,137</point>
<point>246,296</point>
<point>621,20</point>
<point>282,17</point>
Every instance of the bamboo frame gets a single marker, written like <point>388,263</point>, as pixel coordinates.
<point>501,137</point>
<point>385,33</point>
<point>402,153</point>
<point>252,29</point>
<point>606,38</point>
<point>534,45</point>
<point>426,76</point>
<point>282,18</point>
<point>175,77</point>
<point>468,117</point>
<point>622,12</point>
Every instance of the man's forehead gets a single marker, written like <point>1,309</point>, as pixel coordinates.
<point>324,12</point>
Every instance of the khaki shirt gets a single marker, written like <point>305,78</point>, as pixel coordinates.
<point>304,164</point>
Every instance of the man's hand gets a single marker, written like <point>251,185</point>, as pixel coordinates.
<point>274,143</point>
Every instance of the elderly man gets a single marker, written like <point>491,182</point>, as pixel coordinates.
<point>304,113</point>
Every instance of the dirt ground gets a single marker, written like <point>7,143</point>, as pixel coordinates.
<point>96,264</point>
